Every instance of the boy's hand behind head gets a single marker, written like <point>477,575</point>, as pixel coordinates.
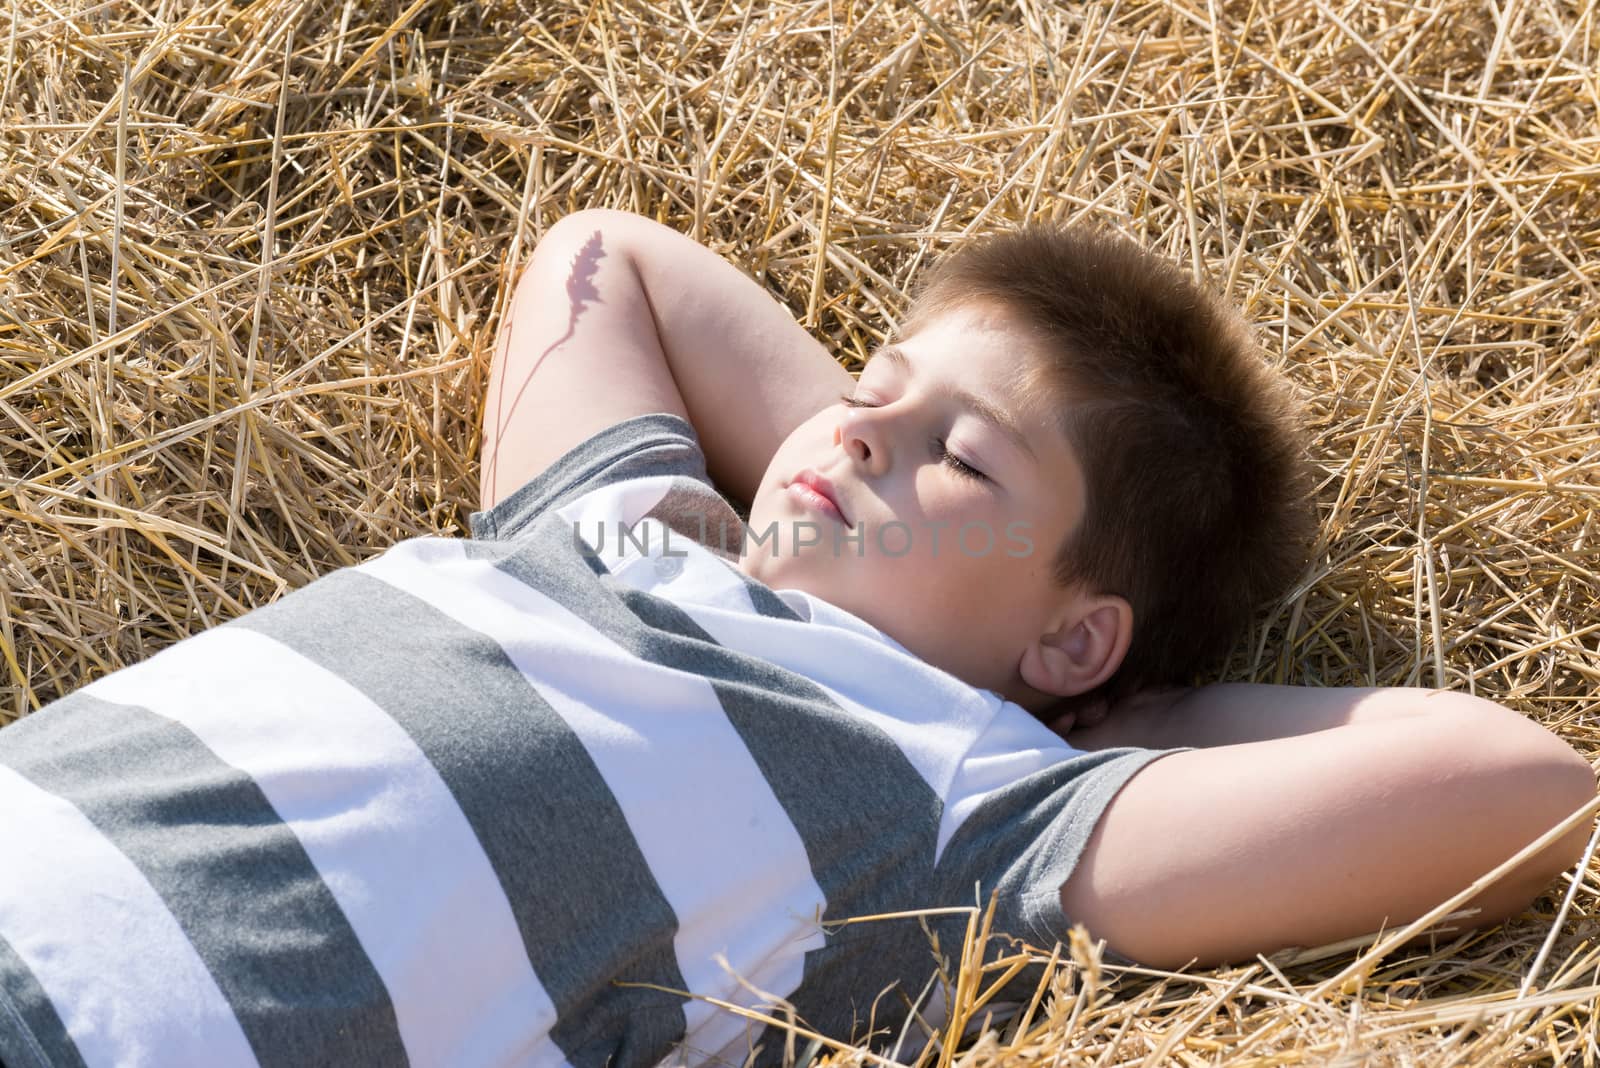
<point>1094,722</point>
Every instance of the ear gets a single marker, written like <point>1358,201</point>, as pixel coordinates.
<point>1083,651</point>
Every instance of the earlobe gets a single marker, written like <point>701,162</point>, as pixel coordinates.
<point>1084,651</point>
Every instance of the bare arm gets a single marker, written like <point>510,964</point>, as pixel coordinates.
<point>1315,836</point>
<point>616,316</point>
<point>1230,713</point>
<point>749,373</point>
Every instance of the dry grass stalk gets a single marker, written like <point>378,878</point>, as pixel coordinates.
<point>252,258</point>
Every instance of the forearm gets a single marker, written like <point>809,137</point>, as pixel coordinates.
<point>747,372</point>
<point>1233,713</point>
<point>1224,852</point>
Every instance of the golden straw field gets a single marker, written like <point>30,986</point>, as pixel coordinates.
<point>253,256</point>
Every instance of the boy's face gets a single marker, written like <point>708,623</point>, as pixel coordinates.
<point>954,566</point>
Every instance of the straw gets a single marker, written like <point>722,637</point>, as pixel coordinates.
<point>253,258</point>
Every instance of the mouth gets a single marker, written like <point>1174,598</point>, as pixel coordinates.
<point>817,493</point>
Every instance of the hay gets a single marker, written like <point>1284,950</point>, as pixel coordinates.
<point>252,258</point>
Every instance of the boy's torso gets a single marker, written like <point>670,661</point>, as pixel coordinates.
<point>436,806</point>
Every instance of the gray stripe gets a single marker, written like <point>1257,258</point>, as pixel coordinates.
<point>583,895</point>
<point>1027,838</point>
<point>1030,833</point>
<point>31,1033</point>
<point>657,443</point>
<point>766,602</point>
<point>232,874</point>
<point>868,820</point>
<point>697,513</point>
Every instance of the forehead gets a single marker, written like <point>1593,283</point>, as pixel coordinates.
<point>981,352</point>
<point>986,343</point>
<point>987,320</point>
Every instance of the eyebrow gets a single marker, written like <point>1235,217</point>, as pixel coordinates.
<point>984,410</point>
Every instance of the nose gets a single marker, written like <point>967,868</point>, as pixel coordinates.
<point>862,434</point>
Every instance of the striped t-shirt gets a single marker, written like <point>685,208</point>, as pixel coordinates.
<point>505,800</point>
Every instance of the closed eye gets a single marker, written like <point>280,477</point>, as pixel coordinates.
<point>955,463</point>
<point>944,455</point>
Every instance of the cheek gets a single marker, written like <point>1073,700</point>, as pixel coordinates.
<point>806,446</point>
<point>951,507</point>
<point>782,463</point>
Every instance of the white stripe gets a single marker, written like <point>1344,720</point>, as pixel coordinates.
<point>611,521</point>
<point>718,842</point>
<point>964,742</point>
<point>381,827</point>
<point>1015,746</point>
<point>135,994</point>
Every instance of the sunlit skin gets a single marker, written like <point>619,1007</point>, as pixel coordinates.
<point>994,620</point>
<point>581,293</point>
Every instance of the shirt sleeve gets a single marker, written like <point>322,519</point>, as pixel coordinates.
<point>1038,801</point>
<point>659,443</point>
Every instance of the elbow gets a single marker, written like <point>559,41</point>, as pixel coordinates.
<point>1556,791</point>
<point>617,226</point>
<point>1550,782</point>
<point>1572,787</point>
<point>1532,783</point>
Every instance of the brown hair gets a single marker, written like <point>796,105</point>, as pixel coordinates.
<point>1198,508</point>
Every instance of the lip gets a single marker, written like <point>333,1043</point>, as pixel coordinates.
<point>818,492</point>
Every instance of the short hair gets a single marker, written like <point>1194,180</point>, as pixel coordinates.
<point>1198,504</point>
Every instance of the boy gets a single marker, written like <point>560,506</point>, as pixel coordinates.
<point>500,800</point>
